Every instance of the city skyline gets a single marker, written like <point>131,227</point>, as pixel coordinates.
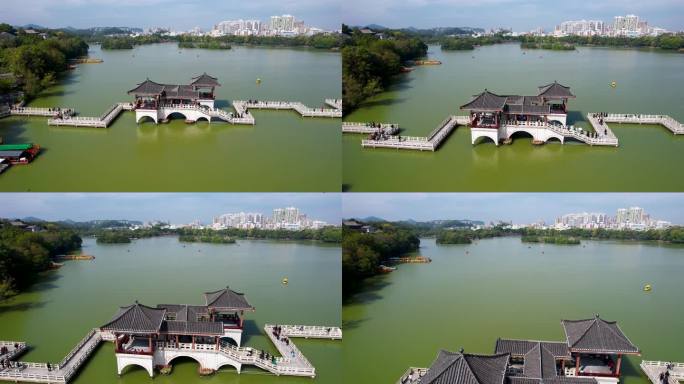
<point>173,207</point>
<point>527,14</point>
<point>178,14</point>
<point>519,208</point>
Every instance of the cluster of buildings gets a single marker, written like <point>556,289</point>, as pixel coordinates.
<point>629,26</point>
<point>289,218</point>
<point>284,25</point>
<point>626,218</point>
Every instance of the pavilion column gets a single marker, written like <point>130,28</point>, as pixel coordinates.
<point>563,367</point>
<point>193,342</point>
<point>217,343</point>
<point>617,368</point>
<point>177,342</point>
<point>149,342</point>
<point>577,365</point>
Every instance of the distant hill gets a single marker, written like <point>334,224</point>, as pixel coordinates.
<point>372,219</point>
<point>31,219</point>
<point>376,27</point>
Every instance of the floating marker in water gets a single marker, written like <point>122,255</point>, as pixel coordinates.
<point>613,84</point>
<point>258,81</point>
<point>647,288</point>
<point>285,281</point>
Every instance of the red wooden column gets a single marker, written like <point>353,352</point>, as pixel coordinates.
<point>149,342</point>
<point>577,365</point>
<point>563,367</point>
<point>177,342</point>
<point>617,369</point>
<point>193,342</point>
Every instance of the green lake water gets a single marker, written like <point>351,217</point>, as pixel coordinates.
<point>282,152</point>
<point>472,294</point>
<point>648,82</point>
<point>54,315</point>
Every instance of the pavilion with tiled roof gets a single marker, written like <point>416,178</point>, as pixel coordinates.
<point>597,337</point>
<point>590,344</point>
<point>490,110</point>
<point>150,94</point>
<point>462,368</point>
<point>137,327</point>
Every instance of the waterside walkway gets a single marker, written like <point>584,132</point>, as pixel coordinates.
<point>382,137</point>
<point>291,363</point>
<point>421,143</point>
<point>666,121</point>
<point>297,106</point>
<point>653,369</point>
<point>68,116</point>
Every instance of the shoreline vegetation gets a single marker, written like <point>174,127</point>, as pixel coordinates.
<point>26,251</point>
<point>206,239</point>
<point>318,41</point>
<point>28,248</point>
<point>35,60</point>
<point>331,235</point>
<point>369,245</point>
<point>370,63</point>
<point>372,59</point>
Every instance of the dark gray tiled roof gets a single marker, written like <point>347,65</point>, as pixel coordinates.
<point>184,312</point>
<point>136,318</point>
<point>539,362</point>
<point>227,299</point>
<point>552,380</point>
<point>147,88</point>
<point>206,328</point>
<point>597,335</point>
<point>486,101</point>
<point>458,368</point>
<point>521,347</point>
<point>554,90</point>
<point>205,80</point>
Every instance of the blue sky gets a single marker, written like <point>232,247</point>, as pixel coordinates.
<point>174,207</point>
<point>521,208</point>
<point>178,14</point>
<point>521,15</point>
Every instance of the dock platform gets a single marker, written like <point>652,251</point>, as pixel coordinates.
<point>368,128</point>
<point>421,143</point>
<point>653,369</point>
<point>297,106</point>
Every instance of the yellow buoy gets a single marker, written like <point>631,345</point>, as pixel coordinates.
<point>613,84</point>
<point>258,81</point>
<point>647,288</point>
<point>285,281</point>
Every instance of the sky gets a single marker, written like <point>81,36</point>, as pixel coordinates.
<point>177,14</point>
<point>178,208</point>
<point>521,15</point>
<point>522,208</point>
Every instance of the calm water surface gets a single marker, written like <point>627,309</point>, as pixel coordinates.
<point>59,311</point>
<point>472,294</point>
<point>647,82</point>
<point>282,152</point>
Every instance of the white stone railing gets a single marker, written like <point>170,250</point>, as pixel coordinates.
<point>36,111</point>
<point>412,375</point>
<point>311,331</point>
<point>668,122</point>
<point>367,128</point>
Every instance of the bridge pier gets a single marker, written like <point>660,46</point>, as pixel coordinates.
<point>491,133</point>
<point>123,360</point>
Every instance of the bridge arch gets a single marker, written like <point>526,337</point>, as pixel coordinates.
<point>491,134</point>
<point>143,118</point>
<point>229,340</point>
<point>520,134</point>
<point>554,139</point>
<point>175,114</point>
<point>184,356</point>
<point>222,364</point>
<point>125,365</point>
